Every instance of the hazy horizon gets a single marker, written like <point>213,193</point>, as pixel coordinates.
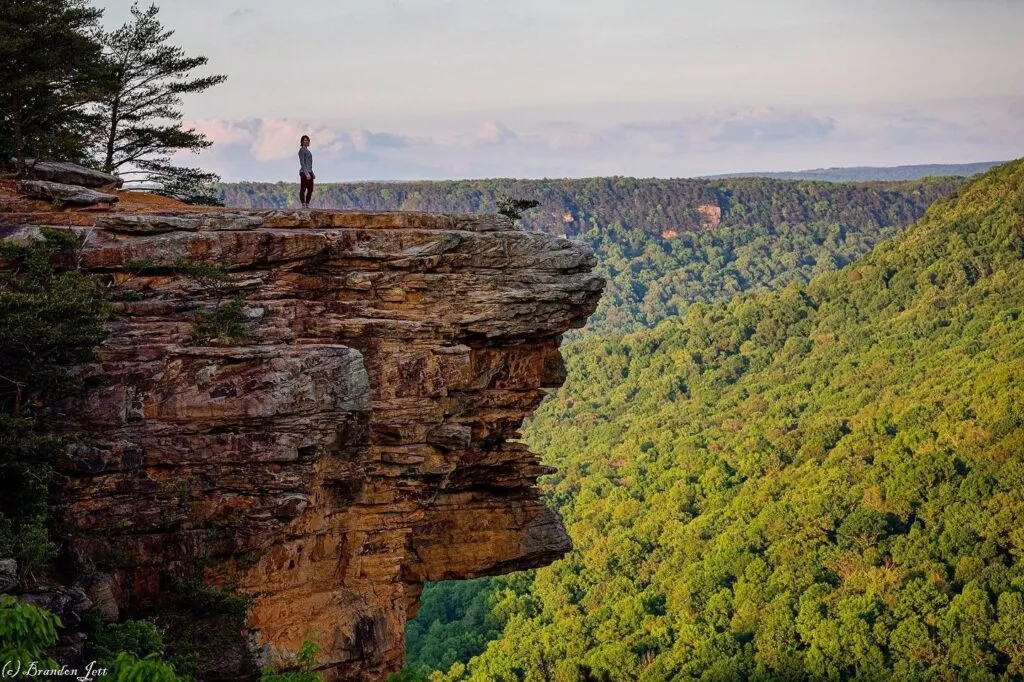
<point>761,172</point>
<point>449,89</point>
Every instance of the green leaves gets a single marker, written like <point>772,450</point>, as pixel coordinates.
<point>50,321</point>
<point>836,494</point>
<point>51,71</point>
<point>25,630</point>
<point>225,323</point>
<point>128,668</point>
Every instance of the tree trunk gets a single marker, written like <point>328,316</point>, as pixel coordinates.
<point>19,135</point>
<point>108,165</point>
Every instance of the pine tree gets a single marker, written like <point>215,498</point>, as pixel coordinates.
<point>513,208</point>
<point>51,71</point>
<point>143,115</point>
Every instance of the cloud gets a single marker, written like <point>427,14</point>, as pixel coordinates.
<point>696,143</point>
<point>223,132</point>
<point>241,13</point>
<point>265,139</point>
<point>763,126</point>
<point>913,129</point>
<point>264,148</point>
<point>364,140</point>
<point>270,139</point>
<point>481,18</point>
<point>495,133</point>
<point>770,125</point>
<point>277,139</point>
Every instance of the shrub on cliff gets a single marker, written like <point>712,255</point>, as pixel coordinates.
<point>131,650</point>
<point>27,631</point>
<point>513,208</point>
<point>306,659</point>
<point>50,321</point>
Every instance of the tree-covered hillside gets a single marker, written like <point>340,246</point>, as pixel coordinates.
<point>825,482</point>
<point>664,244</point>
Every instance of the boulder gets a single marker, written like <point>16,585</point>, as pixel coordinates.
<point>8,574</point>
<point>66,194</point>
<point>67,603</point>
<point>70,174</point>
<point>69,649</point>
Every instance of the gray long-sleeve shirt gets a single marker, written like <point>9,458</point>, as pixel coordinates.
<point>305,160</point>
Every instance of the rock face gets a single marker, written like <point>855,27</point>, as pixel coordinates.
<point>346,437</point>
<point>710,215</point>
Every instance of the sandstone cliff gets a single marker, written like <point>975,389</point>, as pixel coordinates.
<point>350,435</point>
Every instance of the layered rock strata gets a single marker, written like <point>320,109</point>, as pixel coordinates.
<point>349,436</point>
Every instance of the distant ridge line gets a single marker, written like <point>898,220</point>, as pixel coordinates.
<point>871,173</point>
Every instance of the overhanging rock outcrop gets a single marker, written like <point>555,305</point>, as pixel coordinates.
<point>347,439</point>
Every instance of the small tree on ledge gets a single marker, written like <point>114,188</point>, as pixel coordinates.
<point>513,208</point>
<point>143,115</point>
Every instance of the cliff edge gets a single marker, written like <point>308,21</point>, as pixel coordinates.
<point>314,410</point>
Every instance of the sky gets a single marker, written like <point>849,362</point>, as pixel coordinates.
<point>447,89</point>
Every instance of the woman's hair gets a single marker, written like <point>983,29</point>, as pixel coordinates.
<point>304,137</point>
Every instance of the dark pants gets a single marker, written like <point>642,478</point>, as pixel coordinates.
<point>305,188</point>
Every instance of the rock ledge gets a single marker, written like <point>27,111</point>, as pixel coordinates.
<point>353,445</point>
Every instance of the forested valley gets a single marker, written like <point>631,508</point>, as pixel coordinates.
<point>822,482</point>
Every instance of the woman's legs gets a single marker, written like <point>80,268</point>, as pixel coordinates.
<point>305,189</point>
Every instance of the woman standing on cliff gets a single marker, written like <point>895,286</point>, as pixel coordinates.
<point>306,176</point>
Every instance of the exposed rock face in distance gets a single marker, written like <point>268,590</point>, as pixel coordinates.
<point>710,215</point>
<point>352,446</point>
<point>70,174</point>
<point>67,194</point>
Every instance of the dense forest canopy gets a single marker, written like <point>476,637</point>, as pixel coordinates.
<point>823,482</point>
<point>664,244</point>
